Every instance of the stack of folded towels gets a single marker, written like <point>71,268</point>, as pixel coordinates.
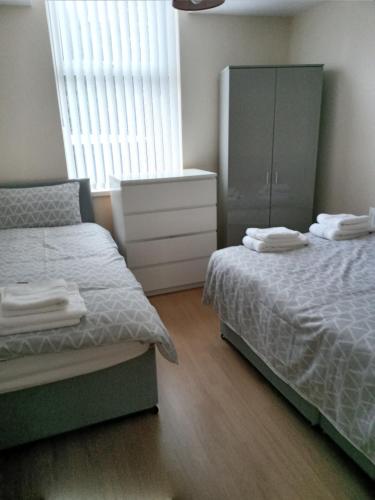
<point>340,226</point>
<point>27,307</point>
<point>273,239</point>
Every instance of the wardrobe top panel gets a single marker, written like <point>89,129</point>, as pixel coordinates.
<point>275,66</point>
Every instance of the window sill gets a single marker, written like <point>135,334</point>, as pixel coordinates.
<point>100,193</point>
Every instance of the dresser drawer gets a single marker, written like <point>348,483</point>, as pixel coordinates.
<point>170,223</point>
<point>141,198</point>
<point>146,253</point>
<point>173,275</point>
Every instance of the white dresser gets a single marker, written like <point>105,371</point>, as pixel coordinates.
<point>166,227</point>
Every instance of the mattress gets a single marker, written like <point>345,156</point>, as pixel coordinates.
<point>118,310</point>
<point>40,369</point>
<point>309,314</point>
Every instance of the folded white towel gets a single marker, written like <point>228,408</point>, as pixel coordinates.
<point>343,220</point>
<point>350,229</point>
<point>12,313</point>
<point>69,315</point>
<point>330,233</point>
<point>24,297</point>
<point>273,234</point>
<point>262,246</point>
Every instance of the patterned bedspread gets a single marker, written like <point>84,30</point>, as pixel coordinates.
<point>118,310</point>
<point>310,315</point>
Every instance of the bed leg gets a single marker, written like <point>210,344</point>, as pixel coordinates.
<point>154,410</point>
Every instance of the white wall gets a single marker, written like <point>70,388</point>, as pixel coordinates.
<point>209,43</point>
<point>31,145</point>
<point>30,134</point>
<point>339,34</point>
<point>342,36</point>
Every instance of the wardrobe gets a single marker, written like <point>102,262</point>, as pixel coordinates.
<point>269,128</point>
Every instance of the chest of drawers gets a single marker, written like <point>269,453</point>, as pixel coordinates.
<point>166,227</point>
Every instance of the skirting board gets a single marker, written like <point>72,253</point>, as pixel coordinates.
<point>42,411</point>
<point>309,411</point>
<point>175,289</point>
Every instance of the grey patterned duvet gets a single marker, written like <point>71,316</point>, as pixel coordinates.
<point>118,310</point>
<point>310,316</point>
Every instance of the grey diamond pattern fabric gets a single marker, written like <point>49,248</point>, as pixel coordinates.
<point>118,310</point>
<point>310,315</point>
<point>45,206</point>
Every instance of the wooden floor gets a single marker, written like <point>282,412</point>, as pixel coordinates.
<point>222,433</point>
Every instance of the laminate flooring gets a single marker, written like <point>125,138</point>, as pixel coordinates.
<point>222,433</point>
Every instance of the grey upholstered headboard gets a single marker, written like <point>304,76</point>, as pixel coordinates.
<point>85,201</point>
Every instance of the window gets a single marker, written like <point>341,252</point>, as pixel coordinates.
<point>117,73</point>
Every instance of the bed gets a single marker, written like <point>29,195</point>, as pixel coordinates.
<point>306,320</point>
<point>58,380</point>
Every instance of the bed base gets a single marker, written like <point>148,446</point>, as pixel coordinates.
<point>47,410</point>
<point>309,411</point>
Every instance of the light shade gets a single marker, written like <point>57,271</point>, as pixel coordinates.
<point>194,5</point>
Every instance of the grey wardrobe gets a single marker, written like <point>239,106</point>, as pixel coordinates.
<point>269,127</point>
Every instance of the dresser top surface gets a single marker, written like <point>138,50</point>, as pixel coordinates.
<point>187,174</point>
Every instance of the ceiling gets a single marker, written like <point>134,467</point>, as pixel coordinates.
<point>263,7</point>
<point>239,7</point>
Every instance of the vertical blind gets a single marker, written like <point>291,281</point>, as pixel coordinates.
<point>117,72</point>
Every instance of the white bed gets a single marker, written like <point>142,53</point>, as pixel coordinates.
<point>307,318</point>
<point>40,369</point>
<point>57,380</point>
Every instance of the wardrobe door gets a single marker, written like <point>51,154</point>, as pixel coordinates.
<point>251,114</point>
<point>297,115</point>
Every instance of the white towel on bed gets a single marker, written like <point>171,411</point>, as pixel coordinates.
<point>273,234</point>
<point>36,297</point>
<point>70,315</point>
<point>331,233</point>
<point>35,310</point>
<point>342,221</point>
<point>351,229</point>
<point>262,246</point>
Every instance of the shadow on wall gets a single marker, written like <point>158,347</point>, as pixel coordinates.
<point>343,158</point>
<point>103,211</point>
<point>327,121</point>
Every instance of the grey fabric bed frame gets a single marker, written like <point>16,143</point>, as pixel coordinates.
<point>309,411</point>
<point>47,410</point>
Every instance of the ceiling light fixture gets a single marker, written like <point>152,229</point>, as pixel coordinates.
<point>193,5</point>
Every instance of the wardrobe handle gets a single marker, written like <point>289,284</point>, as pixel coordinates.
<point>268,178</point>
<point>276,177</point>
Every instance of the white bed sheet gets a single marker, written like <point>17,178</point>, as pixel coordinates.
<point>30,371</point>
